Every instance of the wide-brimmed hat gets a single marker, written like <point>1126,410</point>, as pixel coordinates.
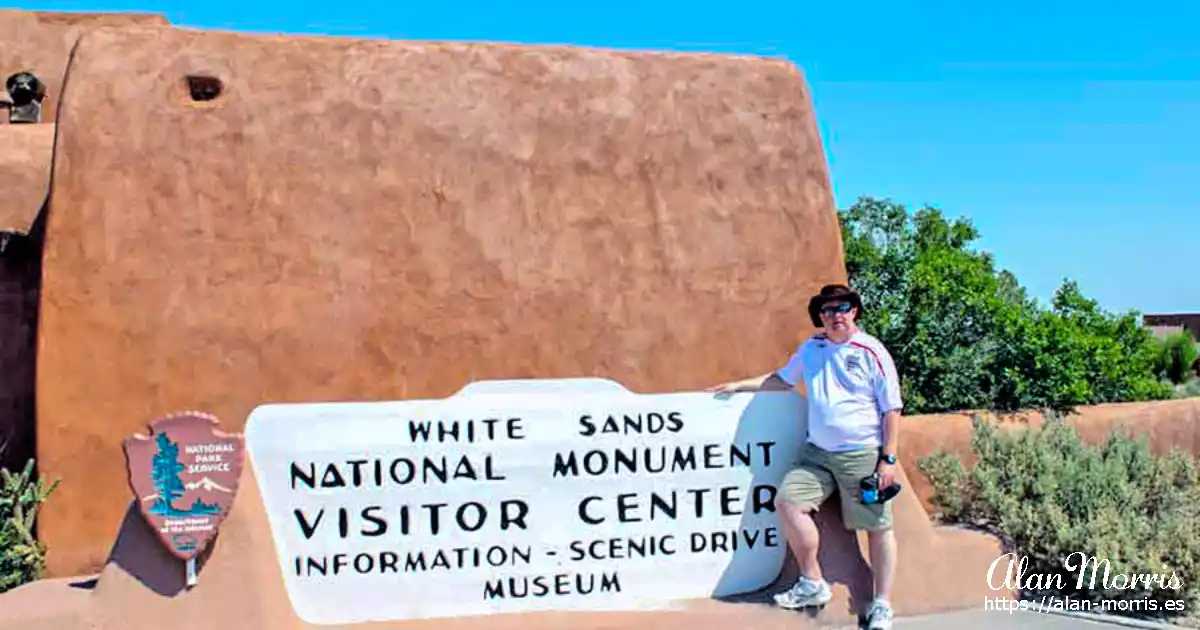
<point>831,293</point>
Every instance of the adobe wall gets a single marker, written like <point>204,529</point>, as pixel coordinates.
<point>358,219</point>
<point>41,42</point>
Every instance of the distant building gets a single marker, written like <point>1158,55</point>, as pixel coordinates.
<point>1164,324</point>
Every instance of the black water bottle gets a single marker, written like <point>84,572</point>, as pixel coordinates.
<point>869,489</point>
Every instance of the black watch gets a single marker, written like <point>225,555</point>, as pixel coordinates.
<point>884,457</point>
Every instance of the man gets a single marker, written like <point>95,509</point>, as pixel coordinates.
<point>854,406</point>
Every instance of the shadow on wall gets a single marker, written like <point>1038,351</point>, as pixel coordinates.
<point>840,555</point>
<point>20,288</point>
<point>139,553</point>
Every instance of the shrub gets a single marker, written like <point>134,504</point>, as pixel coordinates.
<point>22,556</point>
<point>1190,389</point>
<point>1047,496</point>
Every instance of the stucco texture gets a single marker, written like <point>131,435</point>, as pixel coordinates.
<point>26,154</point>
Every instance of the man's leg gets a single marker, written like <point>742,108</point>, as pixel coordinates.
<point>803,538</point>
<point>850,468</point>
<point>882,544</point>
<point>802,491</point>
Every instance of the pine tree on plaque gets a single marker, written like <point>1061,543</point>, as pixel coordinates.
<point>165,475</point>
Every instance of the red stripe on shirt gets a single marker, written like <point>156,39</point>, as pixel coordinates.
<point>873,355</point>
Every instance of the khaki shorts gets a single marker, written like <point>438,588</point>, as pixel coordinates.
<point>818,473</point>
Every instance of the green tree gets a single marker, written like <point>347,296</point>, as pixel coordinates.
<point>1074,353</point>
<point>965,335</point>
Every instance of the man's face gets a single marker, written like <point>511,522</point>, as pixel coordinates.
<point>837,316</point>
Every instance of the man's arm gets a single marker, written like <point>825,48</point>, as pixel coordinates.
<point>887,397</point>
<point>891,432</point>
<point>890,403</point>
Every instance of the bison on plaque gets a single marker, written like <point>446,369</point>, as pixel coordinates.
<point>185,476</point>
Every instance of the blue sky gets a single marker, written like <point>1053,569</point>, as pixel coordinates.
<point>1065,130</point>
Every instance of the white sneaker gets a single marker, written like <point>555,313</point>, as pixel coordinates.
<point>805,593</point>
<point>879,616</point>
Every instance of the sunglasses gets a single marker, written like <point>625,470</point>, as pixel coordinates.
<point>836,308</point>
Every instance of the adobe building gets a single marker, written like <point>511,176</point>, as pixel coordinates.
<point>1163,324</point>
<point>213,220</point>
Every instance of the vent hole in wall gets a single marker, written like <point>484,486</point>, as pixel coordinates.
<point>203,88</point>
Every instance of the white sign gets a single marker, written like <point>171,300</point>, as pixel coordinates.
<point>519,496</point>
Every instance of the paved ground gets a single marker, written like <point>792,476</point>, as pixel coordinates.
<point>994,620</point>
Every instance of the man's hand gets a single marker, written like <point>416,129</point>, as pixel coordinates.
<point>887,474</point>
<point>726,388</point>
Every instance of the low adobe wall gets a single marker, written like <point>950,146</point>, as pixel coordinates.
<point>1167,425</point>
<point>241,587</point>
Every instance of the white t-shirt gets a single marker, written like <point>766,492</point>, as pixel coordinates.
<point>850,387</point>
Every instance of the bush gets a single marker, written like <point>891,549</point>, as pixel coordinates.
<point>1177,356</point>
<point>1047,496</point>
<point>1190,389</point>
<point>22,556</point>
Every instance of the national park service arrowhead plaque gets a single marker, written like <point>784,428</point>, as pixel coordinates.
<point>185,476</point>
